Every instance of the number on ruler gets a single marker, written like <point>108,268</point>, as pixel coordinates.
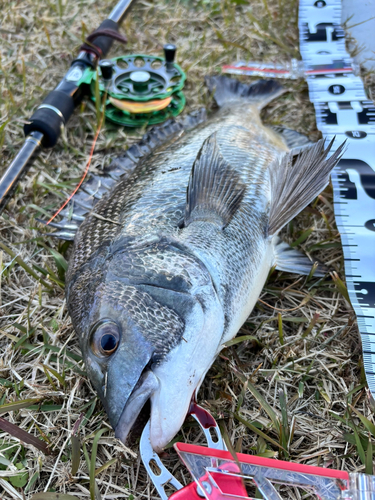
<point>365,292</point>
<point>336,89</point>
<point>325,32</point>
<point>370,224</point>
<point>361,111</point>
<point>356,134</point>
<point>366,174</point>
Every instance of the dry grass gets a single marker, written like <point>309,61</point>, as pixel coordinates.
<point>306,363</point>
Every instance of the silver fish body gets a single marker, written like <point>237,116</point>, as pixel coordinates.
<point>169,265</point>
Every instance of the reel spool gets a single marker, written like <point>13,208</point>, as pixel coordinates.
<point>141,89</point>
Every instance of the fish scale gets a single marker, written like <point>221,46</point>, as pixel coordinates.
<point>159,194</point>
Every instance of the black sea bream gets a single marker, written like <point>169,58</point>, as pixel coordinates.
<point>170,263</point>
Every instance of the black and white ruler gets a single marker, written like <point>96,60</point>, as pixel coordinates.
<point>343,110</point>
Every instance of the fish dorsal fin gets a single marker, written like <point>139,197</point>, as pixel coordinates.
<point>215,190</point>
<point>296,179</point>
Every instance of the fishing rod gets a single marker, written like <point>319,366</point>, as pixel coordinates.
<point>44,127</point>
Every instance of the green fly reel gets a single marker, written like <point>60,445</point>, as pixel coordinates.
<point>141,89</point>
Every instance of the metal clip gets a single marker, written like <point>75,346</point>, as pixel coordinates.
<point>148,455</point>
<point>207,422</point>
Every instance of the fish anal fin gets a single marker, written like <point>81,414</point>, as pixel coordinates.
<point>215,190</point>
<point>291,260</point>
<point>292,138</point>
<point>297,178</point>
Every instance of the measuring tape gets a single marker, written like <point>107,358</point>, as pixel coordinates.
<point>343,109</point>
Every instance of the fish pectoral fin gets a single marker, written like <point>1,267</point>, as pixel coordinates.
<point>292,260</point>
<point>296,179</point>
<point>215,190</point>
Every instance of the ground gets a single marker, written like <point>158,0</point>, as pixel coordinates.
<point>290,386</point>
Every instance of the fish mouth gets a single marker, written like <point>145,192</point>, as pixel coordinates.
<point>142,392</point>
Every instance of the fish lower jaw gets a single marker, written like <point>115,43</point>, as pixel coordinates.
<point>138,398</point>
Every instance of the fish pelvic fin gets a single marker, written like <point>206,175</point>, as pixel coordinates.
<point>296,179</point>
<point>215,190</point>
<point>229,90</point>
<point>292,260</point>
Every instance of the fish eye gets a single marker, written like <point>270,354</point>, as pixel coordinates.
<point>105,337</point>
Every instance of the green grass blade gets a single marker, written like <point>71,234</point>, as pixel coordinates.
<point>280,327</point>
<point>240,339</point>
<point>258,431</point>
<point>228,442</point>
<point>284,424</point>
<point>32,481</point>
<point>369,425</point>
<point>60,261</point>
<point>303,237</point>
<point>105,466</point>
<point>23,264</point>
<point>94,451</point>
<point>369,465</point>
<point>359,447</point>
<point>241,397</point>
<point>17,405</point>
<point>266,407</point>
<point>340,285</point>
<point>56,374</point>
<point>53,496</point>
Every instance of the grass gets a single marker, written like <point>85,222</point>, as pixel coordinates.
<point>290,386</point>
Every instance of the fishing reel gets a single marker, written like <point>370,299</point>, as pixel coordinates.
<point>141,89</point>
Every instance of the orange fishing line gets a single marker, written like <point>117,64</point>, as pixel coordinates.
<point>87,165</point>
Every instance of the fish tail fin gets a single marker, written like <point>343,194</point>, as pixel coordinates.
<point>296,179</point>
<point>228,90</point>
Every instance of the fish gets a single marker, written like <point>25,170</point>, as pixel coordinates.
<point>171,258</point>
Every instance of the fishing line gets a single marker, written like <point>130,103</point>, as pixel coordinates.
<point>99,127</point>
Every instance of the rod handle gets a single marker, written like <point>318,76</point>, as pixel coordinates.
<point>104,43</point>
<point>51,116</point>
